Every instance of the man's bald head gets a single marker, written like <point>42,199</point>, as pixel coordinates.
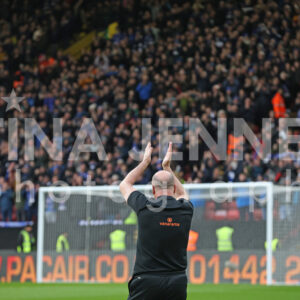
<point>163,180</point>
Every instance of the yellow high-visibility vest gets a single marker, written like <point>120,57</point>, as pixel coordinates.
<point>224,235</point>
<point>62,244</point>
<point>26,245</point>
<point>131,219</point>
<point>274,244</point>
<point>117,240</point>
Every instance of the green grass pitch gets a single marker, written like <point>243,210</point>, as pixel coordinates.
<point>29,291</point>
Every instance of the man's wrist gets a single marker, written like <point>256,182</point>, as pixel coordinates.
<point>168,168</point>
<point>146,162</point>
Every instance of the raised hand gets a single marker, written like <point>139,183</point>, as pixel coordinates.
<point>166,164</point>
<point>147,153</point>
<point>126,186</point>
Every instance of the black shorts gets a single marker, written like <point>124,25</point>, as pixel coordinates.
<point>157,287</point>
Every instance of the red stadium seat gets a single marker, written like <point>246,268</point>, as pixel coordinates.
<point>209,214</point>
<point>257,214</point>
<point>225,205</point>
<point>14,214</point>
<point>233,214</point>
<point>210,205</point>
<point>232,205</point>
<point>229,205</point>
<point>210,208</point>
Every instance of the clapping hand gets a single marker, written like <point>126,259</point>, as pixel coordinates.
<point>166,164</point>
<point>147,153</point>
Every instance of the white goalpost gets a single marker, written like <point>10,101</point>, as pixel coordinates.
<point>88,215</point>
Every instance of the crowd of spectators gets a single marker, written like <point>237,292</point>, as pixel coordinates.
<point>168,59</point>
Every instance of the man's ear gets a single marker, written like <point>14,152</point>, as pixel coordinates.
<point>153,190</point>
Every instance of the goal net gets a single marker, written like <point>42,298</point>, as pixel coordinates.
<point>89,234</point>
<point>286,235</point>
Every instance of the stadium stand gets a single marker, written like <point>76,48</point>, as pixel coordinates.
<point>201,59</point>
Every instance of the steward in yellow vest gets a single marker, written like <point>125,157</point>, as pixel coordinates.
<point>62,243</point>
<point>224,241</point>
<point>274,244</point>
<point>26,240</point>
<point>117,240</point>
<point>131,219</point>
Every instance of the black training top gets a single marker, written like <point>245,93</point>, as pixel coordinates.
<point>162,234</point>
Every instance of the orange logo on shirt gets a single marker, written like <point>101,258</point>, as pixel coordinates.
<point>169,223</point>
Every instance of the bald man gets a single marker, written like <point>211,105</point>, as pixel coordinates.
<point>163,231</point>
